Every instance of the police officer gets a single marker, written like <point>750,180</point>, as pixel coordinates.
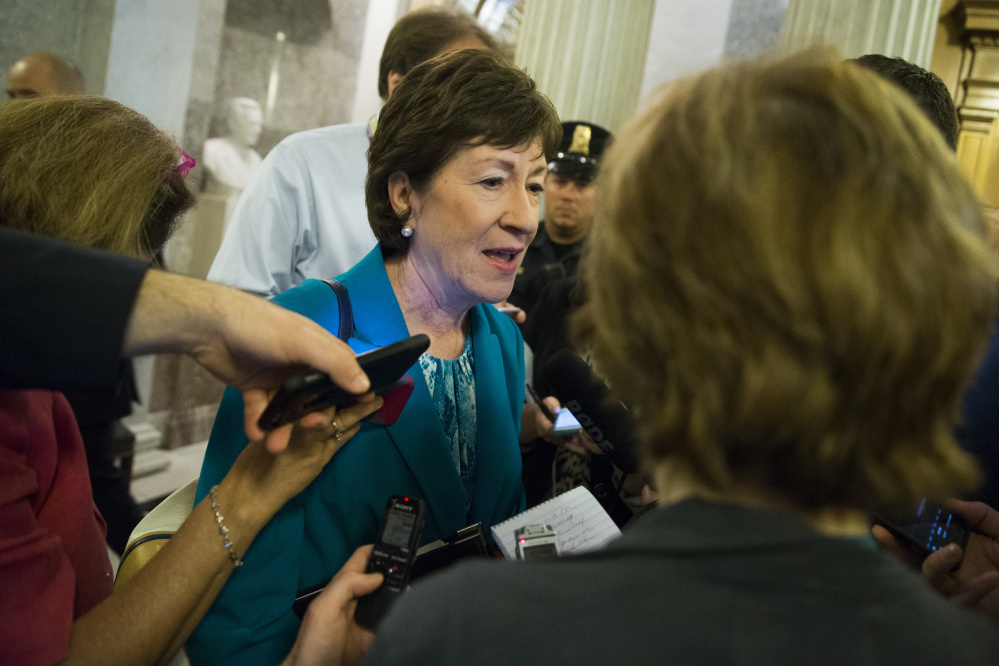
<point>569,205</point>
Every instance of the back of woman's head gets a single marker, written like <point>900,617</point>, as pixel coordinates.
<point>89,171</point>
<point>458,100</point>
<point>787,279</point>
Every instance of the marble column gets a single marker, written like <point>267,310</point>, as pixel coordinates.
<point>688,37</point>
<point>588,56</point>
<point>903,28</point>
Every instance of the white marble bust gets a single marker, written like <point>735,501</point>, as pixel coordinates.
<point>231,159</point>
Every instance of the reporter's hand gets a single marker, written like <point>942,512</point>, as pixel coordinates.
<point>241,339</point>
<point>517,315</point>
<point>261,482</point>
<point>259,345</point>
<point>976,584</point>
<point>649,496</point>
<point>329,634</point>
<point>534,423</point>
<point>582,443</point>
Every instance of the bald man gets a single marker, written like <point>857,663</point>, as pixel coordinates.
<point>43,74</point>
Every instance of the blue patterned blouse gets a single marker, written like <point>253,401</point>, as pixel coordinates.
<point>452,386</point>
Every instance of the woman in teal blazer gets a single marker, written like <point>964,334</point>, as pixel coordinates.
<point>452,226</point>
<point>313,535</point>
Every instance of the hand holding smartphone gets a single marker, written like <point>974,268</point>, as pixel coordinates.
<point>564,424</point>
<point>314,391</point>
<point>932,527</point>
<point>541,405</point>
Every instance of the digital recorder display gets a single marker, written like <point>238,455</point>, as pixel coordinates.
<point>398,526</point>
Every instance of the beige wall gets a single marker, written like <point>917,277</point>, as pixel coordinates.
<point>946,59</point>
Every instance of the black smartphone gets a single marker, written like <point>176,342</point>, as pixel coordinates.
<point>393,557</point>
<point>932,527</point>
<point>313,391</point>
<point>537,400</point>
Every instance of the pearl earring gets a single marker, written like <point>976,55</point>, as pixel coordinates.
<point>407,231</point>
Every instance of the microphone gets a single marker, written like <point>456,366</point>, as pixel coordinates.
<point>602,416</point>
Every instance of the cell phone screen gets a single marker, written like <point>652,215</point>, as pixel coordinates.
<point>933,527</point>
<point>566,423</point>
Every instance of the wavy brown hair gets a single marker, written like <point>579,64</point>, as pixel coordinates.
<point>90,171</point>
<point>788,281</point>
<point>459,100</point>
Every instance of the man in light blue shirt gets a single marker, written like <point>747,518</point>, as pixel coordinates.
<point>302,214</point>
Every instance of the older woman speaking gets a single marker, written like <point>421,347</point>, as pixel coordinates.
<point>455,172</point>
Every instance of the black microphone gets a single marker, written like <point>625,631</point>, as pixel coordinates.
<point>602,416</point>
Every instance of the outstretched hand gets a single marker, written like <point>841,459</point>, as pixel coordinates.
<point>260,345</point>
<point>329,634</point>
<point>243,340</point>
<point>512,311</point>
<point>261,481</point>
<point>534,423</point>
<point>976,584</point>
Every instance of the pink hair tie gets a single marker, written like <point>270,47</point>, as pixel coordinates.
<point>186,163</point>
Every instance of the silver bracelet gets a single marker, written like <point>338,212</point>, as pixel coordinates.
<point>223,530</point>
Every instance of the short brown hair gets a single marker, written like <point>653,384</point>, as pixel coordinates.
<point>89,171</point>
<point>466,98</point>
<point>927,90</point>
<point>788,281</point>
<point>422,34</point>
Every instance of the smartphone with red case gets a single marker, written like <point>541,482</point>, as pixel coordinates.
<point>314,391</point>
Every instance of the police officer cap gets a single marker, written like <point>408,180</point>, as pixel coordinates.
<point>579,154</point>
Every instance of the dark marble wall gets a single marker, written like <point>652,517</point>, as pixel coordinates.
<point>753,28</point>
<point>317,64</point>
<point>235,51</point>
<point>79,30</point>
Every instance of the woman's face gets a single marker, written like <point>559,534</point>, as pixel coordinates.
<point>474,222</point>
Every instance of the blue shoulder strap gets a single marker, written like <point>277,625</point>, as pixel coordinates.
<point>346,327</point>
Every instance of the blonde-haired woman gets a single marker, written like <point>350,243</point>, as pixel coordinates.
<point>91,171</point>
<point>788,282</point>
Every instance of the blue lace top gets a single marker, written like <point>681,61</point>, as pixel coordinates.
<point>452,387</point>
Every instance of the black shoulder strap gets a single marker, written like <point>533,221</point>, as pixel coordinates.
<point>346,328</point>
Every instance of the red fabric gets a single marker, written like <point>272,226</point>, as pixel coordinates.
<point>54,565</point>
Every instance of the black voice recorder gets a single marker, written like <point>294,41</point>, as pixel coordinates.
<point>393,557</point>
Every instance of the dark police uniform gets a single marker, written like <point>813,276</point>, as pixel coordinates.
<point>544,288</point>
<point>578,157</point>
<point>545,261</point>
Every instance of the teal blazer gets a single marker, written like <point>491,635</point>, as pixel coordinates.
<point>307,541</point>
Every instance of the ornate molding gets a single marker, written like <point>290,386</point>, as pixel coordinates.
<point>974,16</point>
<point>978,26</point>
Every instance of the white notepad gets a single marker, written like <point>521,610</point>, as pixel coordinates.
<point>580,523</point>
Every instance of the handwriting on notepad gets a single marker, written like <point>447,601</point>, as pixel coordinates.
<point>580,523</point>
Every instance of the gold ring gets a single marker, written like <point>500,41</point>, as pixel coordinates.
<point>336,430</point>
